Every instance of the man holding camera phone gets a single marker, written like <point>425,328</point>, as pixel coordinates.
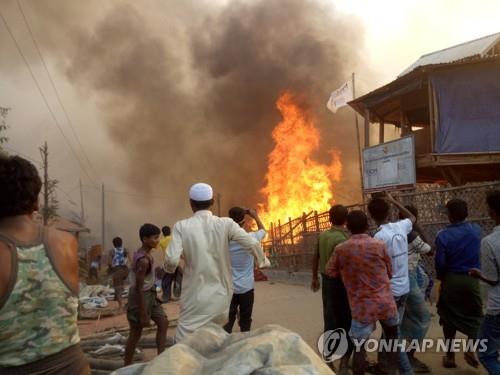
<point>242,264</point>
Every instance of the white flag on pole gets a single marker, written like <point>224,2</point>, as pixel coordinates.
<point>340,97</point>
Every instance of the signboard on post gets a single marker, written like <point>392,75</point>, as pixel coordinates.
<point>390,166</point>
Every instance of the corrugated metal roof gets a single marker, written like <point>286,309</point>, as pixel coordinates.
<point>474,48</point>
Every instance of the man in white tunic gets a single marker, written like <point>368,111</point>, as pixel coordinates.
<point>203,241</point>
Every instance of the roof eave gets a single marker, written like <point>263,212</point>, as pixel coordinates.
<point>421,71</point>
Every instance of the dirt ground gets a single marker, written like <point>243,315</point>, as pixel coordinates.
<point>296,308</point>
<point>299,309</point>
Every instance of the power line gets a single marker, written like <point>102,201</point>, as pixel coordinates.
<point>23,155</point>
<point>44,98</point>
<point>70,199</point>
<point>129,193</point>
<point>55,88</point>
<point>40,164</point>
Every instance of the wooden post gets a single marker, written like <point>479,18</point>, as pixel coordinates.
<point>218,204</point>
<point>381,130</point>
<point>316,220</point>
<point>103,218</point>
<point>291,229</point>
<point>360,160</point>
<point>435,110</point>
<point>82,208</point>
<point>45,158</point>
<point>280,240</point>
<point>272,235</point>
<point>304,222</point>
<point>404,129</point>
<point>430,93</point>
<point>367,127</point>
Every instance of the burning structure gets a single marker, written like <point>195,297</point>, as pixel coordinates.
<point>295,182</point>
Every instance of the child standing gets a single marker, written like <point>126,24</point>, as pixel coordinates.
<point>118,268</point>
<point>143,304</point>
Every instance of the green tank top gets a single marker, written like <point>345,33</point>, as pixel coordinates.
<point>39,316</point>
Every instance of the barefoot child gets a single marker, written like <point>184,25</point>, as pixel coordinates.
<point>143,305</point>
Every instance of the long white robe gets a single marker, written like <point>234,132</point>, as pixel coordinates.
<point>207,287</point>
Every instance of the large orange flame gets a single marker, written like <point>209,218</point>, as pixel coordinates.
<point>295,183</point>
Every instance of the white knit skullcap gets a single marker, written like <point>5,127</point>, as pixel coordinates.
<point>201,192</point>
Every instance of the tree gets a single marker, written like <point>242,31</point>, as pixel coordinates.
<point>49,186</point>
<point>3,127</point>
<point>51,210</point>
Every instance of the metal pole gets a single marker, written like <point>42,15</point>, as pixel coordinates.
<point>45,212</point>
<point>359,142</point>
<point>81,204</point>
<point>103,221</point>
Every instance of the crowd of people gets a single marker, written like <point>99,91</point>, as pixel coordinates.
<point>217,271</point>
<point>365,278</point>
<point>39,276</point>
<point>374,277</point>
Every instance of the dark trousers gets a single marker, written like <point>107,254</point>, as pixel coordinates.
<point>166,285</point>
<point>490,330</point>
<point>403,360</point>
<point>245,303</point>
<point>336,310</point>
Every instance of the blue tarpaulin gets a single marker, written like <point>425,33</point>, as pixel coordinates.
<point>469,108</point>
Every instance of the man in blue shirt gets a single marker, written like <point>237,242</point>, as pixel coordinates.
<point>459,305</point>
<point>242,265</point>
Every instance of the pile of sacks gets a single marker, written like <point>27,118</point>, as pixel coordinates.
<point>270,350</point>
<point>95,296</point>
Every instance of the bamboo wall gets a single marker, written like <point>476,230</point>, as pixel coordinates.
<point>290,245</point>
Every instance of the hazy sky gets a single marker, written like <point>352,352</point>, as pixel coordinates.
<point>396,32</point>
<point>400,31</point>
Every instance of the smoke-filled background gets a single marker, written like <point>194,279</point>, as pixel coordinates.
<point>192,97</point>
<point>163,94</point>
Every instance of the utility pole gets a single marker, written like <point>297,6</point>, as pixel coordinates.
<point>82,212</point>
<point>44,150</point>
<point>103,221</point>
<point>360,160</point>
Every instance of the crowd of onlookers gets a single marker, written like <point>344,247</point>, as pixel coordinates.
<point>366,278</point>
<point>376,277</point>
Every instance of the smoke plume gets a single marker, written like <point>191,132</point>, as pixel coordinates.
<point>187,90</point>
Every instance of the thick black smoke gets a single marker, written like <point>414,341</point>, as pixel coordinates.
<point>187,89</point>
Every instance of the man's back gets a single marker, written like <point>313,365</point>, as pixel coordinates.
<point>44,280</point>
<point>365,268</point>
<point>458,248</point>
<point>203,240</point>
<point>490,265</point>
<point>394,236</point>
<point>205,244</point>
<point>164,241</point>
<point>327,241</point>
<point>242,264</point>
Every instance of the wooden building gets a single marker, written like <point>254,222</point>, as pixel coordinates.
<point>450,101</point>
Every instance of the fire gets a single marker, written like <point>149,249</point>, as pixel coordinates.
<point>295,183</point>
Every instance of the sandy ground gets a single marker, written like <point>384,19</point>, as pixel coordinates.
<point>299,309</point>
<point>296,308</point>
